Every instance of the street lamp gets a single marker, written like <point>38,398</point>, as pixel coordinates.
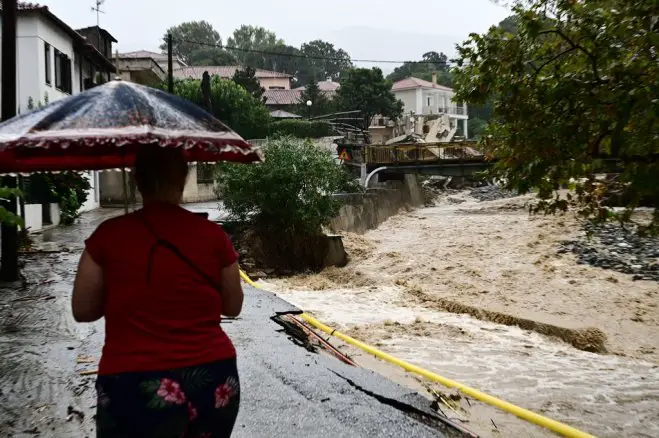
<point>309,103</point>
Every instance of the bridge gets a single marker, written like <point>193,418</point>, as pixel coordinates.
<point>446,159</point>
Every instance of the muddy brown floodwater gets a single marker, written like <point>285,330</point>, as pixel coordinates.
<point>477,292</point>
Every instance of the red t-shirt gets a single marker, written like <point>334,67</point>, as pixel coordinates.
<point>173,320</point>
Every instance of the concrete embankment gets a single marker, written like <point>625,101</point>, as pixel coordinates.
<point>363,212</point>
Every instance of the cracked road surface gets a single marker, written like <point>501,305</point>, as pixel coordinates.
<point>285,388</point>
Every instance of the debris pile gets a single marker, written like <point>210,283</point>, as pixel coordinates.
<point>610,246</point>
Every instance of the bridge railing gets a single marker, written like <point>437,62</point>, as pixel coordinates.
<point>421,153</point>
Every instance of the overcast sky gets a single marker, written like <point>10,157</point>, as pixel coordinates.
<point>366,29</point>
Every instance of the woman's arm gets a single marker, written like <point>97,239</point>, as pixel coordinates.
<point>231,290</point>
<point>88,301</point>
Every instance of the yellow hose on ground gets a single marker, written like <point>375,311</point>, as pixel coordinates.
<point>525,414</point>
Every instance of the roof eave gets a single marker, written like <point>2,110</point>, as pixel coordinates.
<point>79,42</point>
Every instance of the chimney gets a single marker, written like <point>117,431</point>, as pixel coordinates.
<point>434,78</point>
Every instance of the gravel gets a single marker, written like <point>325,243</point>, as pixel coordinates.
<point>613,247</point>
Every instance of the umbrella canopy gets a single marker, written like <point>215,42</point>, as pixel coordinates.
<point>102,128</point>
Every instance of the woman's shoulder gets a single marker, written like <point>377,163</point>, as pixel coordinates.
<point>113,226</point>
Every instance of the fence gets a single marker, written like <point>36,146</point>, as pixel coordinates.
<point>423,152</point>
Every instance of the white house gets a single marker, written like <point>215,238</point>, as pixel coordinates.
<point>55,61</point>
<point>429,98</point>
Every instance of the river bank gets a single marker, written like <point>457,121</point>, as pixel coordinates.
<point>447,288</point>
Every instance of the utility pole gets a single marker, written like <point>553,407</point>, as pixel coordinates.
<point>9,263</point>
<point>98,11</point>
<point>170,63</point>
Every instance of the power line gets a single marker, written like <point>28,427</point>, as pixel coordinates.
<point>303,56</point>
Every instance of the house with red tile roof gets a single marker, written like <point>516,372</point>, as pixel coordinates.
<point>270,80</point>
<point>283,98</point>
<point>428,98</point>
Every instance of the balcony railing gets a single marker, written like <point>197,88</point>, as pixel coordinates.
<point>451,110</point>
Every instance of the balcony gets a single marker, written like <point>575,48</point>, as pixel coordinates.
<point>450,110</point>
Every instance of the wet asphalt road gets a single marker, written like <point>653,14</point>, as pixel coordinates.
<point>286,389</point>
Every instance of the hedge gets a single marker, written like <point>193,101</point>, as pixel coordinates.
<point>301,128</point>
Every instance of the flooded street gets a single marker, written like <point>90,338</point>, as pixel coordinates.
<point>446,288</point>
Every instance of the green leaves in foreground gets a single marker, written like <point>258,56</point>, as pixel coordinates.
<point>576,91</point>
<point>7,216</point>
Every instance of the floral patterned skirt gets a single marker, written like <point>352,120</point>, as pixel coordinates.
<point>195,402</point>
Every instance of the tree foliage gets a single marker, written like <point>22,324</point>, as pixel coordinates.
<point>431,62</point>
<point>247,39</point>
<point>69,190</point>
<point>197,43</point>
<point>320,103</point>
<point>246,78</point>
<point>230,103</point>
<point>577,95</point>
<point>367,90</point>
<point>323,61</point>
<point>6,216</point>
<point>290,193</point>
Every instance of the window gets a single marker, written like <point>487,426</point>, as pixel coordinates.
<point>205,173</point>
<point>276,88</point>
<point>49,70</point>
<point>63,79</point>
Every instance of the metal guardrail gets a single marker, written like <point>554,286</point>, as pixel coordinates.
<point>422,153</point>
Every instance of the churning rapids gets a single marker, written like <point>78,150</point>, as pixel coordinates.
<point>444,287</point>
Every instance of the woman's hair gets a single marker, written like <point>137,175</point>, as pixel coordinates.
<point>160,172</point>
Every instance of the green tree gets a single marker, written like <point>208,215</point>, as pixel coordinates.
<point>247,39</point>
<point>212,56</point>
<point>323,61</point>
<point>320,104</point>
<point>291,193</point>
<point>197,43</point>
<point>230,103</point>
<point>246,78</point>
<point>577,94</point>
<point>282,58</point>
<point>431,62</point>
<point>367,90</point>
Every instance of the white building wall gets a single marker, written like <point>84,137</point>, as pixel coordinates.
<point>32,32</point>
<point>409,99</point>
<point>59,40</point>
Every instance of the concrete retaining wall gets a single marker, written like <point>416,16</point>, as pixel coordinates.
<point>363,212</point>
<point>111,191</point>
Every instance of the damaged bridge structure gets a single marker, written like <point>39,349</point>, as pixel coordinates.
<point>450,159</point>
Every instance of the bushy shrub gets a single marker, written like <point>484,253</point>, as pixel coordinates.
<point>291,192</point>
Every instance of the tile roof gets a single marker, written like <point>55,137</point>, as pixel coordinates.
<point>225,71</point>
<point>324,86</point>
<point>412,82</point>
<point>281,114</point>
<point>26,6</point>
<point>144,54</point>
<point>282,97</point>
